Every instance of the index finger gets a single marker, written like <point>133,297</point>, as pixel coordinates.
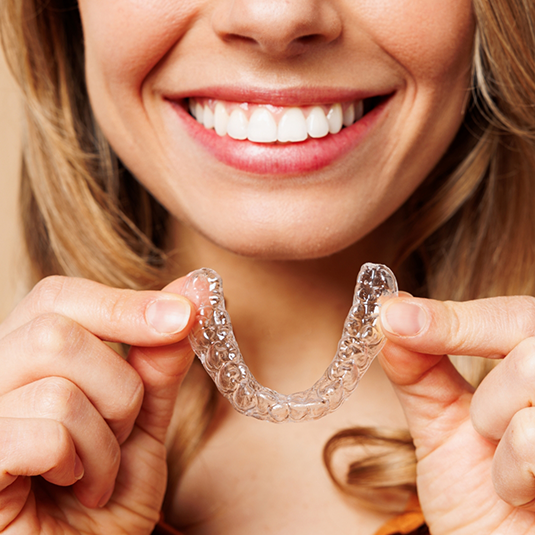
<point>484,327</point>
<point>143,318</point>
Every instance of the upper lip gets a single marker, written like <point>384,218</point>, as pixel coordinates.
<point>296,96</point>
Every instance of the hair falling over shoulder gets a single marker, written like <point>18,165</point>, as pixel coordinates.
<point>471,232</point>
<point>83,213</point>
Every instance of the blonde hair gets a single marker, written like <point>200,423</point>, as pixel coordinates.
<point>470,232</point>
<point>83,213</point>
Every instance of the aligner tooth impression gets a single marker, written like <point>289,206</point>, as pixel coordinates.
<point>214,343</point>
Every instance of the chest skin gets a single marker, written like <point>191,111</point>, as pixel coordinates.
<point>270,479</point>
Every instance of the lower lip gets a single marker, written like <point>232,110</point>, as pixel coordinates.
<point>280,159</point>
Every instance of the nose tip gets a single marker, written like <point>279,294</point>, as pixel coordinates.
<point>278,27</point>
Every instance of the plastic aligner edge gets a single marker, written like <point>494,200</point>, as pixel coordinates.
<point>213,341</point>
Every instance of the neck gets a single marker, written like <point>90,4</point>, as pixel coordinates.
<point>287,315</point>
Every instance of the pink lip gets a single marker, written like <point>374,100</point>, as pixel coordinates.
<point>279,159</point>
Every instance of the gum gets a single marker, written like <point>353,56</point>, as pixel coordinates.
<point>213,341</point>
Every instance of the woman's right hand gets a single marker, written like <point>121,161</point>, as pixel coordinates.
<point>89,424</point>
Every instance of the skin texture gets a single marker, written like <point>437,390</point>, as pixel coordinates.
<point>288,248</point>
<point>167,49</point>
<point>483,438</point>
<point>65,416</point>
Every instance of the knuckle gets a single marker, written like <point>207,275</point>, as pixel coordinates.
<point>114,456</point>
<point>457,331</point>
<point>52,334</point>
<point>60,443</point>
<point>480,420</point>
<point>522,360</point>
<point>56,398</point>
<point>132,398</point>
<point>522,431</point>
<point>115,311</point>
<point>46,292</point>
<point>119,307</point>
<point>46,443</point>
<point>524,314</point>
<point>63,441</point>
<point>137,391</point>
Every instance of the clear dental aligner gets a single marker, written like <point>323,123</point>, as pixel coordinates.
<point>214,343</point>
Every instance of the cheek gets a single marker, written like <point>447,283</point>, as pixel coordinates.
<point>125,39</point>
<point>430,39</point>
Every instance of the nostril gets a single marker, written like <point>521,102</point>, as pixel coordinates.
<point>282,28</point>
<point>239,39</point>
<point>272,45</point>
<point>311,39</point>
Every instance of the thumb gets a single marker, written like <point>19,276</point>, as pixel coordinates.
<point>162,370</point>
<point>434,396</point>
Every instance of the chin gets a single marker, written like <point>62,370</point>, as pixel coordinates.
<point>286,245</point>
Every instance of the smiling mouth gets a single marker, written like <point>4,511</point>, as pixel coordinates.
<point>267,123</point>
<point>283,137</point>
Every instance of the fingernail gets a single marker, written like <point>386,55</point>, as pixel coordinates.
<point>404,319</point>
<point>104,500</point>
<point>168,316</point>
<point>78,468</point>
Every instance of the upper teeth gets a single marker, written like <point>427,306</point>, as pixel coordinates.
<point>264,123</point>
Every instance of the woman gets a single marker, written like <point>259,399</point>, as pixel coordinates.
<point>432,172</point>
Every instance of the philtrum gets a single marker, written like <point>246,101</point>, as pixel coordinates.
<point>214,343</point>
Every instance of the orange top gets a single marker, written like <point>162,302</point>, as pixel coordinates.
<point>411,522</point>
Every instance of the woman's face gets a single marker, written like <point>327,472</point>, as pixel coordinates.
<point>395,72</point>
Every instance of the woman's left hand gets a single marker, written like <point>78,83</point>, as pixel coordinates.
<point>475,451</point>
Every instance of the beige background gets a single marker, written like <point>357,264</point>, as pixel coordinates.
<point>11,264</point>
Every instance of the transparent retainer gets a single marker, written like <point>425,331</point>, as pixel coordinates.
<point>214,343</point>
